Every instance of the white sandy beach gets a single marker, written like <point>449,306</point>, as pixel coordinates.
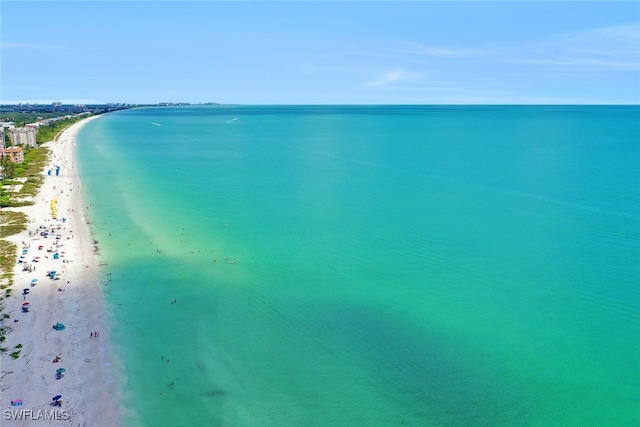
<point>90,387</point>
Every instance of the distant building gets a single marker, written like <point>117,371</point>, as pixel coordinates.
<point>24,136</point>
<point>16,154</point>
<point>2,144</point>
<point>7,125</point>
<point>57,104</point>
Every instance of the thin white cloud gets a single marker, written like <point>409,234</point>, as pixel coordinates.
<point>621,38</point>
<point>583,62</point>
<point>609,48</point>
<point>442,52</point>
<point>396,75</point>
<point>28,46</point>
<point>388,77</point>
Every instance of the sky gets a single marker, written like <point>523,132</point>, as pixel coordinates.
<point>330,52</point>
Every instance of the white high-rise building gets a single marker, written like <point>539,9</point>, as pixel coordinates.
<point>24,136</point>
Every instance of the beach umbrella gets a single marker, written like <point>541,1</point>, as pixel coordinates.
<point>25,303</point>
<point>34,280</point>
<point>60,370</point>
<point>57,397</point>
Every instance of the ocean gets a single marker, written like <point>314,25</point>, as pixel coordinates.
<point>371,265</point>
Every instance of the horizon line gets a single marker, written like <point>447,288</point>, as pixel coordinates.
<point>184,103</point>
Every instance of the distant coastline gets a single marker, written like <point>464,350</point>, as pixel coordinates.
<point>56,108</point>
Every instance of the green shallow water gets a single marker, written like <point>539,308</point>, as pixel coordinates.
<point>391,265</point>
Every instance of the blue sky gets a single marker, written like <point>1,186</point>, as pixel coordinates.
<point>354,52</point>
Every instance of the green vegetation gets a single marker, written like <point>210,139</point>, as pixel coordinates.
<point>49,132</point>
<point>12,222</point>
<point>8,259</point>
<point>31,186</point>
<point>3,337</point>
<point>20,119</point>
<point>16,354</point>
<point>35,159</point>
<point>8,166</point>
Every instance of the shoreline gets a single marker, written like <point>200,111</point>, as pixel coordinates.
<point>90,386</point>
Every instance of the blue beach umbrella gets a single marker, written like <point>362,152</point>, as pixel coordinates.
<point>56,398</point>
<point>34,280</point>
<point>60,370</point>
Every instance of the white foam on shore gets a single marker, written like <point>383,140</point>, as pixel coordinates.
<point>92,383</point>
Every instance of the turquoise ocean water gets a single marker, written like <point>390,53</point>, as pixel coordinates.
<point>376,265</point>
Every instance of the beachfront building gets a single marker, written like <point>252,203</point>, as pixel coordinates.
<point>15,154</point>
<point>23,136</point>
<point>2,144</point>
